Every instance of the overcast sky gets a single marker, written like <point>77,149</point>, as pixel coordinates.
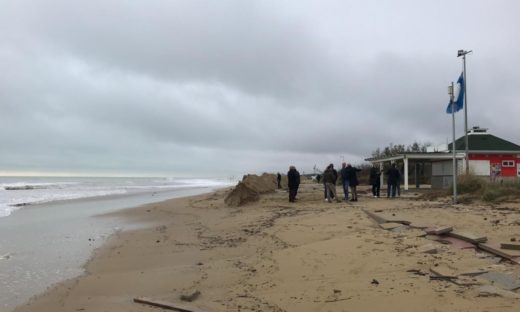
<point>221,88</point>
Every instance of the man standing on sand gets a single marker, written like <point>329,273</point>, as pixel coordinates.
<point>279,180</point>
<point>344,180</point>
<point>293,181</point>
<point>393,177</point>
<point>329,179</point>
<point>375,180</point>
<point>352,180</point>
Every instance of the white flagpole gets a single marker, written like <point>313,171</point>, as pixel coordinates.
<point>452,103</point>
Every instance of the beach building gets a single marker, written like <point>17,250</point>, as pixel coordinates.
<point>489,157</point>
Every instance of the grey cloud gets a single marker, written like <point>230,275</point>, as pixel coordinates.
<point>197,87</point>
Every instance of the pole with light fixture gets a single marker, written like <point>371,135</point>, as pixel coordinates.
<point>463,54</point>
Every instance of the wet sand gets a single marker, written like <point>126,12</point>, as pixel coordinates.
<point>43,244</point>
<point>276,256</point>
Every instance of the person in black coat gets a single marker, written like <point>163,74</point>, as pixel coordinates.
<point>344,180</point>
<point>293,181</point>
<point>375,180</point>
<point>351,173</point>
<point>393,178</point>
<point>279,180</point>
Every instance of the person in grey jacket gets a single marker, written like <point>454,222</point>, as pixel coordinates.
<point>329,179</point>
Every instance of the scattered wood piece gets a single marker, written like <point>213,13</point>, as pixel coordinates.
<point>165,305</point>
<point>513,255</point>
<point>439,230</point>
<point>468,237</point>
<point>419,226</point>
<point>473,273</point>
<point>459,243</point>
<point>390,225</point>
<point>417,272</point>
<point>512,246</point>
<point>443,272</point>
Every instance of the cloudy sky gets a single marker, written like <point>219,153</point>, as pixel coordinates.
<point>220,88</point>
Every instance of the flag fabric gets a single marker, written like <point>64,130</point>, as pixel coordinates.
<point>459,97</point>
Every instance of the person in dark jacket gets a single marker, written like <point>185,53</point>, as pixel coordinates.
<point>352,180</point>
<point>393,177</point>
<point>375,180</point>
<point>330,176</point>
<point>279,180</point>
<point>293,181</point>
<point>344,180</point>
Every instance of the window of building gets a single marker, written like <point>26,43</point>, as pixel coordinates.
<point>508,163</point>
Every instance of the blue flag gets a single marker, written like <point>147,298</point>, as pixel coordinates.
<point>459,98</point>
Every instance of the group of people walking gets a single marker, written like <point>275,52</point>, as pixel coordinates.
<point>349,180</point>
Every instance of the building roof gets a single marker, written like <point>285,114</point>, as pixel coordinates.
<point>432,156</point>
<point>484,142</point>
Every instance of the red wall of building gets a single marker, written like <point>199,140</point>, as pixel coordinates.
<point>498,159</point>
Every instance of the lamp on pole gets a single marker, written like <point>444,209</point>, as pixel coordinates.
<point>463,54</point>
<point>454,172</point>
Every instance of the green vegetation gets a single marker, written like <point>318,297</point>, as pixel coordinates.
<point>472,187</point>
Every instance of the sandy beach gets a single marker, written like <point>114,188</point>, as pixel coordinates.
<point>272,255</point>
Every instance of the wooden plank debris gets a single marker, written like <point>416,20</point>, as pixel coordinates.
<point>459,243</point>
<point>468,237</point>
<point>389,226</point>
<point>474,272</point>
<point>415,225</point>
<point>443,272</point>
<point>439,230</point>
<point>511,246</point>
<point>494,248</point>
<point>165,305</point>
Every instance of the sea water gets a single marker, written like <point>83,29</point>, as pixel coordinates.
<point>48,227</point>
<point>18,192</point>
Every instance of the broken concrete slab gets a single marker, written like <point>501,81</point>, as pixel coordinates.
<point>505,281</point>
<point>511,246</point>
<point>439,230</point>
<point>385,218</point>
<point>468,237</point>
<point>493,291</point>
<point>428,248</point>
<point>376,217</point>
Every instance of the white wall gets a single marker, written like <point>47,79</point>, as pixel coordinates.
<point>479,167</point>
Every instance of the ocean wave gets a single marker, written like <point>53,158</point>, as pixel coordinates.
<point>21,186</point>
